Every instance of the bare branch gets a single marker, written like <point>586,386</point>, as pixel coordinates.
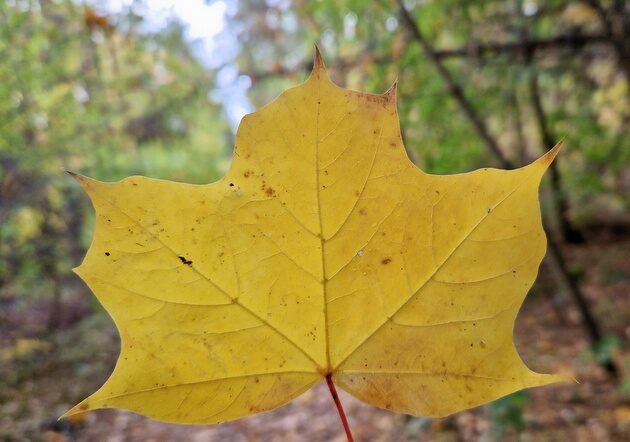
<point>517,48</point>
<point>455,89</point>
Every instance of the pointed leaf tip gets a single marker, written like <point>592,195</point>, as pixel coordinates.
<point>81,407</point>
<point>548,157</point>
<point>392,92</point>
<point>318,62</point>
<point>77,176</point>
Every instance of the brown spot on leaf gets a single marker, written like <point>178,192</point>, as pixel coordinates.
<point>386,261</point>
<point>184,260</point>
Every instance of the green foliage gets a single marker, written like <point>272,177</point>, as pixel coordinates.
<point>92,95</point>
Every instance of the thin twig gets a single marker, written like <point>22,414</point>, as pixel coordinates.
<point>454,88</point>
<point>569,233</point>
<point>517,49</point>
<point>590,323</point>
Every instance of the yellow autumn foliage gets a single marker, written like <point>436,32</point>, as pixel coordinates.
<point>324,250</point>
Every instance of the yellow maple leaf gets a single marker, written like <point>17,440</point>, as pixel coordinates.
<point>324,252</point>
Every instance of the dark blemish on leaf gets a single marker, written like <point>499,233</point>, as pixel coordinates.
<point>386,261</point>
<point>134,184</point>
<point>247,173</point>
<point>184,260</point>
<point>392,144</point>
<point>106,253</point>
<point>231,184</point>
<point>363,212</point>
<point>270,192</point>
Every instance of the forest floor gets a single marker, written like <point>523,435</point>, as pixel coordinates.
<point>43,374</point>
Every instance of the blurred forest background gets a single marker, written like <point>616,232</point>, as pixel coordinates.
<point>98,88</point>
